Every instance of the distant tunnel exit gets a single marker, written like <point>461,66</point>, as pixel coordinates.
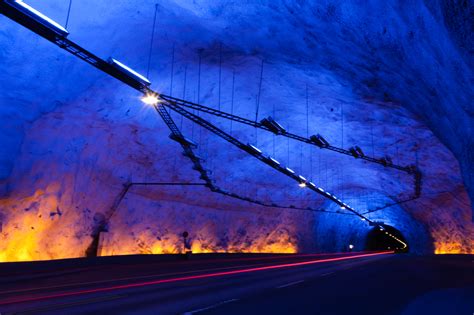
<point>381,240</point>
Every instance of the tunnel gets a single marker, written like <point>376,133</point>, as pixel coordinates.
<point>293,141</point>
<point>386,237</point>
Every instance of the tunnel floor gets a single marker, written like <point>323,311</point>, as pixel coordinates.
<point>349,283</point>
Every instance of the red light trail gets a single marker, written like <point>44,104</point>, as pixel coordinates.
<point>195,277</point>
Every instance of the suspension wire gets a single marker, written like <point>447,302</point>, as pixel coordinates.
<point>273,136</point>
<point>256,129</point>
<point>372,135</point>
<point>288,143</point>
<point>68,13</point>
<point>171,94</point>
<point>199,96</point>
<point>342,146</point>
<point>220,75</point>
<point>307,112</point>
<point>398,160</point>
<point>172,71</point>
<point>199,80</point>
<point>184,93</point>
<point>326,162</point>
<point>151,42</point>
<point>301,157</point>
<point>307,134</point>
<point>342,125</point>
<point>259,91</point>
<point>232,99</point>
<point>192,124</point>
<point>288,150</point>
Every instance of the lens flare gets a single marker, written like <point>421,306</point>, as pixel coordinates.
<point>150,99</point>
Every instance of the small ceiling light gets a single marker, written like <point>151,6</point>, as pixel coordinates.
<point>342,207</point>
<point>150,99</point>
<point>302,185</point>
<point>351,246</point>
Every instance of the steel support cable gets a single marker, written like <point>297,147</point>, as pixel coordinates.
<point>258,155</point>
<point>256,124</point>
<point>204,174</point>
<point>408,169</point>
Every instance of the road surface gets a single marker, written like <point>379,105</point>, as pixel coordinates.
<point>356,283</point>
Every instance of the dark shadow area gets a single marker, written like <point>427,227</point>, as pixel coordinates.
<point>386,239</point>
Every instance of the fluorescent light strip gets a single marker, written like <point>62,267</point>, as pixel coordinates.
<point>128,69</point>
<point>39,15</point>
<point>255,148</point>
<point>274,161</point>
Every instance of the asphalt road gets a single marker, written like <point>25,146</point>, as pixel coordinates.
<point>322,284</point>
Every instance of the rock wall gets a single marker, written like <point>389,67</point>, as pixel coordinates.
<point>395,79</point>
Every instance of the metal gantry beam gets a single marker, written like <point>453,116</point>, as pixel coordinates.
<point>205,109</point>
<point>204,174</point>
<point>411,169</point>
<point>256,153</point>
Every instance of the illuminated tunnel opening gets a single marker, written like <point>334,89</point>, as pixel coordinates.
<point>386,239</point>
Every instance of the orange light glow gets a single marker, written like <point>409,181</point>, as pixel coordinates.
<point>173,244</point>
<point>39,227</point>
<point>452,248</point>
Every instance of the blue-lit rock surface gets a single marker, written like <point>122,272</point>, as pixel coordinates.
<point>395,79</point>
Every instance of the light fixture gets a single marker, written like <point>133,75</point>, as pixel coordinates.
<point>254,149</point>
<point>37,16</point>
<point>363,219</point>
<point>320,189</point>
<point>150,99</point>
<point>275,161</point>
<point>272,125</point>
<point>319,141</point>
<point>351,246</point>
<point>302,184</point>
<point>290,170</point>
<point>129,71</point>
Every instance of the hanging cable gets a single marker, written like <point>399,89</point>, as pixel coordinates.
<point>220,75</point>
<point>184,93</point>
<point>342,146</point>
<point>172,72</point>
<point>232,99</point>
<point>68,13</point>
<point>199,94</point>
<point>151,42</point>
<point>259,91</point>
<point>307,134</point>
<point>256,129</point>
